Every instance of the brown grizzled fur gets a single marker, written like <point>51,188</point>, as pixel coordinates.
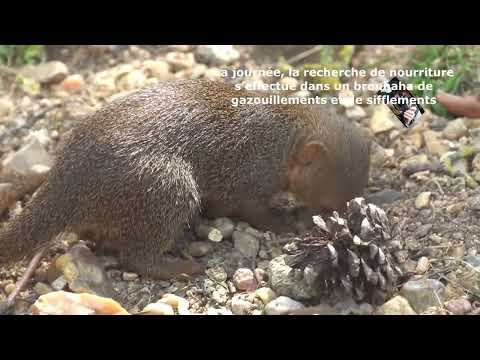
<point>138,171</point>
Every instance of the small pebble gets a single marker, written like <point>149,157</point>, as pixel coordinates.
<point>244,279</point>
<point>263,254</point>
<point>158,308</point>
<point>239,305</point>
<point>266,294</point>
<point>282,305</point>
<point>220,295</point>
<point>199,248</point>
<point>396,306</point>
<point>356,112</point>
<point>459,306</point>
<point>423,200</point>
<point>208,233</point>
<point>423,230</point>
<point>176,302</point>
<point>455,129</point>
<point>246,243</point>
<point>225,225</point>
<point>9,288</point>
<point>242,225</point>
<point>260,274</point>
<point>59,283</point>
<point>292,83</point>
<point>41,274</point>
<point>42,288</point>
<point>73,83</point>
<point>128,276</point>
<point>217,273</point>
<point>422,265</point>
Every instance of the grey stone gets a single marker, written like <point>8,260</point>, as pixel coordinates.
<point>283,280</point>
<point>199,248</point>
<point>24,160</point>
<point>424,293</point>
<point>473,260</point>
<point>84,272</point>
<point>59,283</point>
<point>386,196</point>
<point>225,225</point>
<point>247,244</point>
<point>217,273</point>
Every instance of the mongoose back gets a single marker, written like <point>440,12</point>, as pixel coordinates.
<point>138,171</point>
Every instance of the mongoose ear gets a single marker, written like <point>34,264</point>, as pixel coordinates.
<point>312,152</point>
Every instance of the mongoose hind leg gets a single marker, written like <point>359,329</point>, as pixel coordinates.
<point>158,221</point>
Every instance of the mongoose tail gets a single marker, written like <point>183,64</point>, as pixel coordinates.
<point>33,228</point>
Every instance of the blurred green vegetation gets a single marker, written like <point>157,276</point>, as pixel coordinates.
<point>329,56</point>
<point>463,60</point>
<point>21,54</point>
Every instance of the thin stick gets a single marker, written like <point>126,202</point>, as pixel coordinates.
<point>439,186</point>
<point>304,54</point>
<point>23,281</point>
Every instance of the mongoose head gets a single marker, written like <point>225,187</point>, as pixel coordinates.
<point>330,166</point>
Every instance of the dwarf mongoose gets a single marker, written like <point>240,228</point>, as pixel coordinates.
<point>136,172</point>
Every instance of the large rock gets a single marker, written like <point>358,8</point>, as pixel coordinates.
<point>46,73</point>
<point>84,272</point>
<point>28,160</point>
<point>65,303</point>
<point>423,294</point>
<point>287,282</point>
<point>217,54</point>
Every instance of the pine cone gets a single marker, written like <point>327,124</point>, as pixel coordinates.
<point>350,253</point>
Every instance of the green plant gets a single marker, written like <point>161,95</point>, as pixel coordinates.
<point>21,54</point>
<point>463,60</point>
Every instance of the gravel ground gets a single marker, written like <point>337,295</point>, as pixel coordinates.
<point>433,214</point>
